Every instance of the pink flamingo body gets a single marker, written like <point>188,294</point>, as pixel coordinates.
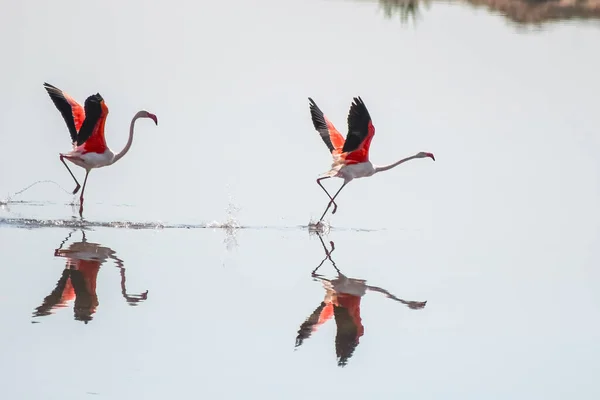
<point>86,127</point>
<point>350,155</point>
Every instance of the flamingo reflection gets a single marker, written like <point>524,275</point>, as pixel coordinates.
<point>342,301</point>
<point>78,280</point>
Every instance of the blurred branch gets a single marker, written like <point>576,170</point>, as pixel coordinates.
<point>524,12</point>
<point>404,8</point>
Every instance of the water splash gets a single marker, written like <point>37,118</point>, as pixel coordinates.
<point>231,225</point>
<point>319,227</point>
<point>83,224</point>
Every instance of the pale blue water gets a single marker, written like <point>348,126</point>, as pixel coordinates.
<point>198,239</point>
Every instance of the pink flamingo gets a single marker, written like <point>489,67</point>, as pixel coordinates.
<point>350,156</point>
<point>86,126</point>
<point>342,301</point>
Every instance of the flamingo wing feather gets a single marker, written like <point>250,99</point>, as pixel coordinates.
<point>332,138</point>
<point>91,134</point>
<point>318,317</point>
<point>349,330</point>
<point>72,112</point>
<point>360,132</point>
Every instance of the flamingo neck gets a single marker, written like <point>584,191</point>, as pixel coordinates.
<point>130,141</point>
<point>386,167</point>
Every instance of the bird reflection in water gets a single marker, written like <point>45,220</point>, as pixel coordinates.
<point>78,280</point>
<point>342,301</point>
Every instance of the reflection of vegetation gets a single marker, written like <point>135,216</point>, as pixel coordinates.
<point>519,11</point>
<point>404,8</point>
<point>541,11</point>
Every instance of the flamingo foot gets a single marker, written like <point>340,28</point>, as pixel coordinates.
<point>76,189</point>
<point>334,208</point>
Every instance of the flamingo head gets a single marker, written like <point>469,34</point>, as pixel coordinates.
<point>424,154</point>
<point>146,114</point>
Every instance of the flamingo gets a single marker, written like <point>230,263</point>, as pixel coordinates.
<point>342,301</point>
<point>86,126</point>
<point>78,280</point>
<point>350,156</point>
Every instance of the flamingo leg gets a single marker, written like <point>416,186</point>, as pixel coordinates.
<point>333,200</point>
<point>87,172</point>
<point>62,159</point>
<point>327,255</point>
<point>328,195</point>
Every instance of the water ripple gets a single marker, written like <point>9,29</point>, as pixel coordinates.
<point>230,225</point>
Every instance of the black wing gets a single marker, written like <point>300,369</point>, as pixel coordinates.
<point>93,112</point>
<point>346,338</point>
<point>318,119</point>
<point>63,105</point>
<point>306,328</point>
<point>358,125</point>
<point>85,302</point>
<point>53,298</point>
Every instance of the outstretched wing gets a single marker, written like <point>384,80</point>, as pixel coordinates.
<point>332,138</point>
<point>54,299</point>
<point>71,111</point>
<point>318,317</point>
<point>91,133</point>
<point>347,336</point>
<point>349,327</point>
<point>360,132</point>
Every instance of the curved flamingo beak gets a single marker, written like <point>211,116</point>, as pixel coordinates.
<point>153,117</point>
<point>430,155</point>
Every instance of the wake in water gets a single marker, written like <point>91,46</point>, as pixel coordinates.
<point>10,198</point>
<point>82,224</point>
<point>231,224</point>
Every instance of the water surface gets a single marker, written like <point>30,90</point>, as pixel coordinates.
<point>191,274</point>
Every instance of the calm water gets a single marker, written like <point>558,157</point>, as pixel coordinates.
<point>193,272</point>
